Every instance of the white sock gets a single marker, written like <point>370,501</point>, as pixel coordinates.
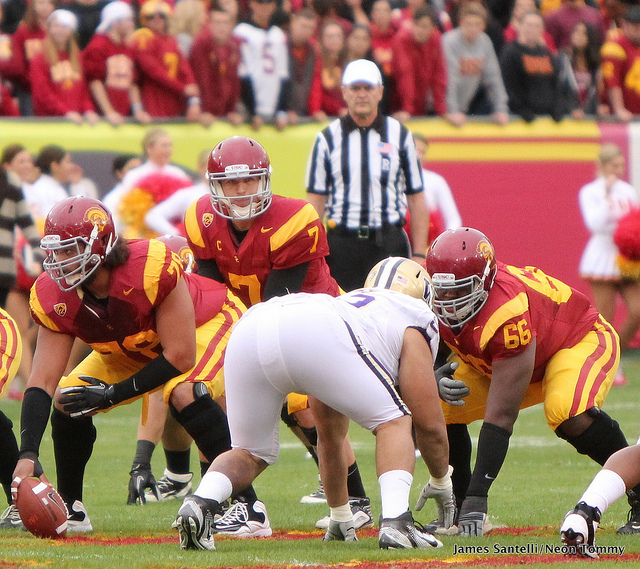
<point>214,486</point>
<point>342,513</point>
<point>395,486</point>
<point>605,488</point>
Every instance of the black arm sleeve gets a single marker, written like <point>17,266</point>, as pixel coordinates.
<point>493,443</point>
<point>285,281</point>
<point>247,95</point>
<point>156,373</point>
<point>34,417</point>
<point>209,268</point>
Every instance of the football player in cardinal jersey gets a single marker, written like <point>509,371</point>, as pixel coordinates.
<point>263,245</point>
<point>10,354</point>
<point>150,326</point>
<point>521,337</point>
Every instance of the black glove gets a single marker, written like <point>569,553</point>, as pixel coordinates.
<point>141,479</point>
<point>451,391</point>
<point>86,400</point>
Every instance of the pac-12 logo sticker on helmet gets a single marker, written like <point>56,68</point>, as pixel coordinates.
<point>400,274</point>
<point>236,158</point>
<point>78,235</point>
<point>462,265</point>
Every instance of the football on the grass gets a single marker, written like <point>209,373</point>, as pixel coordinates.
<point>42,510</point>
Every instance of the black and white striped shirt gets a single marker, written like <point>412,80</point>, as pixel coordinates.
<point>365,172</point>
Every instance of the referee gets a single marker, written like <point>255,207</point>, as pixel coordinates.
<point>363,174</point>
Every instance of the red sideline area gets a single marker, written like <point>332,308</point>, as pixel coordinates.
<point>529,210</point>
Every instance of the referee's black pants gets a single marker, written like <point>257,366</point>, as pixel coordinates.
<point>353,253</point>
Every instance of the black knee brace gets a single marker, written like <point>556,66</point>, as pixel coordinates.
<point>600,439</point>
<point>206,422</point>
<point>72,445</point>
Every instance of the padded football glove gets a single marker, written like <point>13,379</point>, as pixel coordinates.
<point>451,391</point>
<point>441,490</point>
<point>141,479</point>
<point>82,400</point>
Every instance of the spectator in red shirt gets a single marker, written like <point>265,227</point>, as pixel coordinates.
<point>215,56</point>
<point>305,66</point>
<point>27,41</point>
<point>334,53</point>
<point>560,23</point>
<point>167,85</point>
<point>620,61</point>
<point>108,66</point>
<point>57,72</point>
<point>383,30</point>
<point>419,68</point>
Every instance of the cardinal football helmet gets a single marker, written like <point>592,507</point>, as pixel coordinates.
<point>78,235</point>
<point>462,265</point>
<point>400,274</point>
<point>233,158</point>
<point>180,246</point>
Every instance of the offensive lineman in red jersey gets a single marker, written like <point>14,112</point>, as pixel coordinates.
<point>263,245</point>
<point>150,326</point>
<point>521,338</point>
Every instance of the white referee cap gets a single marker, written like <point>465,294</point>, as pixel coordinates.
<point>361,71</point>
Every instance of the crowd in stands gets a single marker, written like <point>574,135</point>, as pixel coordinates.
<point>279,61</point>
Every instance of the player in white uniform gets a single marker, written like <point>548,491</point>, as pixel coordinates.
<point>349,354</point>
<point>264,69</point>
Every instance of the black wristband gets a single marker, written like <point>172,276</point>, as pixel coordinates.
<point>156,373</point>
<point>34,416</point>
<point>493,443</point>
<point>419,255</point>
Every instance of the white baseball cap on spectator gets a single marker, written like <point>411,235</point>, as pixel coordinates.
<point>361,71</point>
<point>65,18</point>
<point>111,13</point>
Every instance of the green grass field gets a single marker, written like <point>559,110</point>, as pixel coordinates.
<point>542,478</point>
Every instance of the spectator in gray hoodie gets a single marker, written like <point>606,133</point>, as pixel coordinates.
<point>475,83</point>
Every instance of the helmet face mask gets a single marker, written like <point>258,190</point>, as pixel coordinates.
<point>462,267</point>
<point>235,159</point>
<point>402,275</point>
<point>79,234</point>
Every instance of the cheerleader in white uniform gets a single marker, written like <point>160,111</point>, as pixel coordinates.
<point>603,203</point>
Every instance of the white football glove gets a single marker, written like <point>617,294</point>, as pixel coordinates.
<point>451,391</point>
<point>441,490</point>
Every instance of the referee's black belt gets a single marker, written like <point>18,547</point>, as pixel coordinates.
<point>365,231</point>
